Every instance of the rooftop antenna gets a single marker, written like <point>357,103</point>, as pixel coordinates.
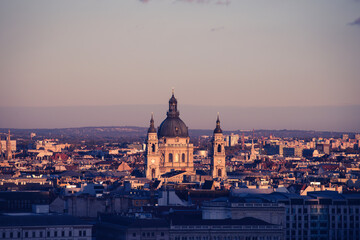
<point>173,91</point>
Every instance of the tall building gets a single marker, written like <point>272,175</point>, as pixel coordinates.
<point>357,136</point>
<point>242,142</point>
<point>218,169</point>
<point>169,149</point>
<point>232,139</point>
<point>8,147</point>
<point>345,137</point>
<point>1,156</point>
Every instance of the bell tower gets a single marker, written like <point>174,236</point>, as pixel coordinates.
<point>218,168</point>
<point>152,152</point>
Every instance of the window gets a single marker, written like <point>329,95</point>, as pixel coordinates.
<point>219,148</point>
<point>162,234</point>
<point>41,234</point>
<point>11,235</point>
<point>18,235</point>
<point>80,233</point>
<point>55,233</point>
<point>183,157</point>
<point>170,157</point>
<point>84,233</point>
<point>26,234</point>
<point>70,233</point>
<point>134,234</point>
<point>153,147</point>
<point>48,234</point>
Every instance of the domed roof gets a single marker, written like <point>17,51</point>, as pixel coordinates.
<point>173,126</point>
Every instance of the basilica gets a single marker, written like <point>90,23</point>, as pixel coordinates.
<point>169,151</point>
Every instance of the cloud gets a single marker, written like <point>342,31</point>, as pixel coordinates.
<point>355,23</point>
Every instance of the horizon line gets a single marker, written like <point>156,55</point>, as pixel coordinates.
<point>192,129</point>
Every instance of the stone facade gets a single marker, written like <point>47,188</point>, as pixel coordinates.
<point>169,149</point>
<point>218,169</point>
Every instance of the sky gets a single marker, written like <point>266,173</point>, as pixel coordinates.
<point>259,55</point>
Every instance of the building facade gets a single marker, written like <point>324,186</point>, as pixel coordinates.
<point>187,228</point>
<point>168,149</point>
<point>218,169</point>
<point>44,227</point>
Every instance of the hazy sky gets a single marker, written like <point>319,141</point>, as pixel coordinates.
<point>243,53</point>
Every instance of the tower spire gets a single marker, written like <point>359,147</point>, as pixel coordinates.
<point>173,112</point>
<point>218,128</point>
<point>152,126</point>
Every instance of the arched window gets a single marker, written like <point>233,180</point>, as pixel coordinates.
<point>153,147</point>
<point>219,172</point>
<point>183,157</point>
<point>152,173</point>
<point>219,148</point>
<point>170,157</point>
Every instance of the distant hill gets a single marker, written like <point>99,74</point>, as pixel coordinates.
<point>323,118</point>
<point>130,132</point>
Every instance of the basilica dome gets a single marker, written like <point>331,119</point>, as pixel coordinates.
<point>173,126</point>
